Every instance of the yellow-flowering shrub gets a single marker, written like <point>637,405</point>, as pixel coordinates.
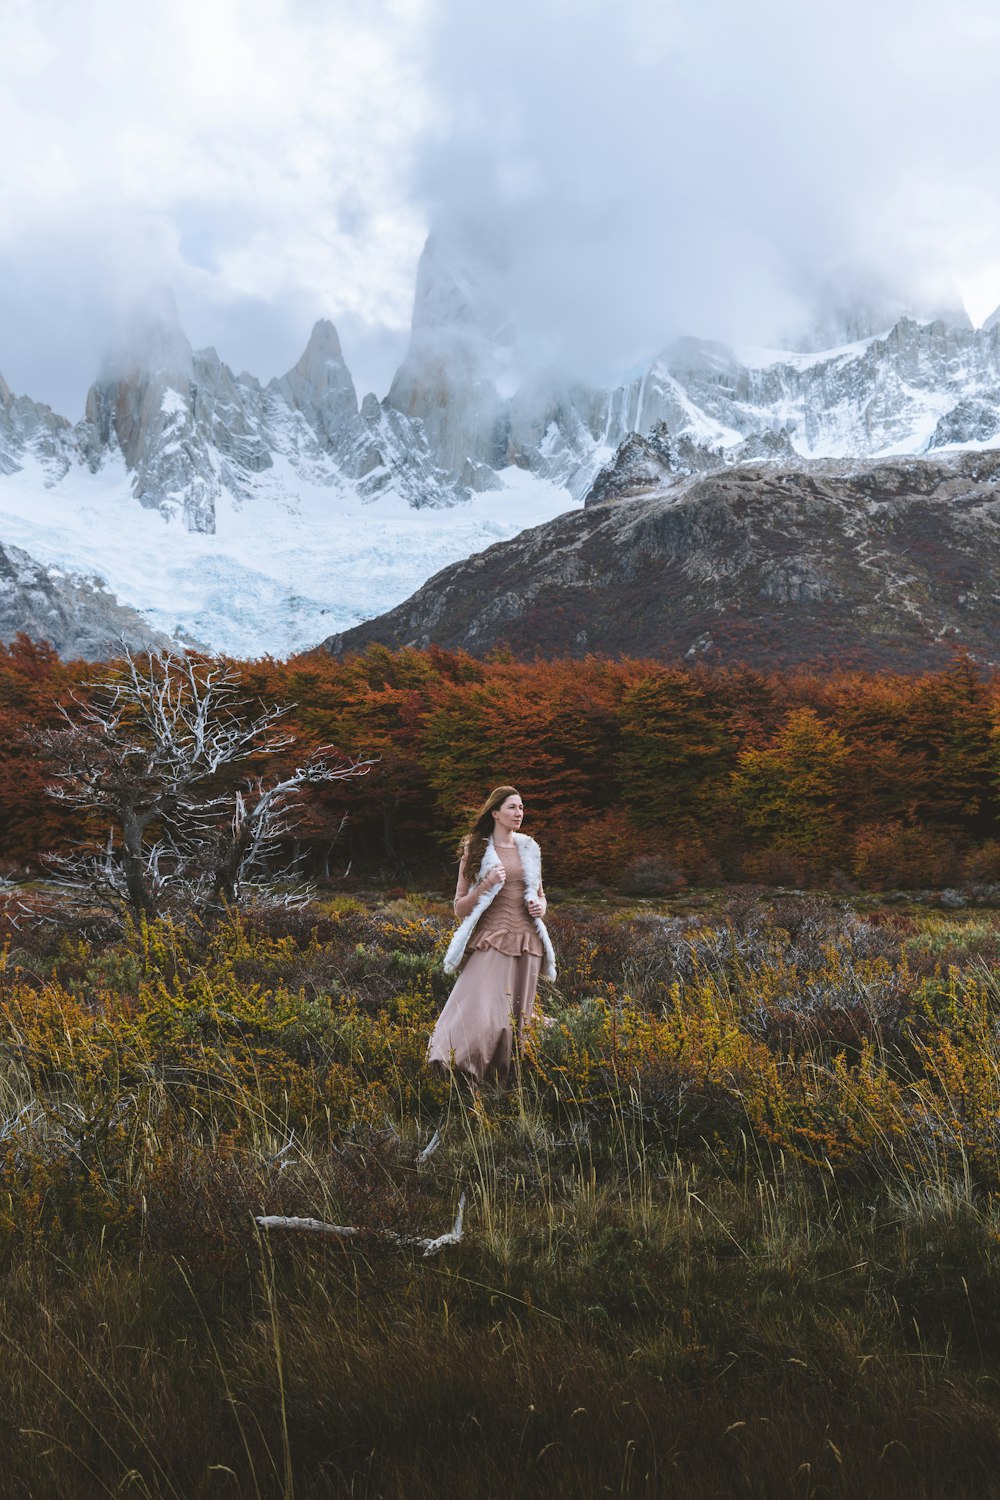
<point>848,1045</point>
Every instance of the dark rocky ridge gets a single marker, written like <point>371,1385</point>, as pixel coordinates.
<point>885,566</point>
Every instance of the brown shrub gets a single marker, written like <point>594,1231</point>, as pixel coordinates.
<point>782,867</point>
<point>887,855</point>
<point>982,866</point>
<point>650,875</point>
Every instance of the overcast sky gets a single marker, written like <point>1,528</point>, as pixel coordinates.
<point>651,167</point>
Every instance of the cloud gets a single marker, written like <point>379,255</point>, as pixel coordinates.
<point>255,154</point>
<point>668,166</point>
<point>651,167</point>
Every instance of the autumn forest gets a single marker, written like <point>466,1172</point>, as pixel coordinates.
<point>635,775</point>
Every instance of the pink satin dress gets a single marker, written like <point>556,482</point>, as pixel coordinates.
<point>494,994</point>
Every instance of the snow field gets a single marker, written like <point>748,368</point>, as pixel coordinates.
<point>290,565</point>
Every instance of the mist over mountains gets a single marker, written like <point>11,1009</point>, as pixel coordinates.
<point>260,517</point>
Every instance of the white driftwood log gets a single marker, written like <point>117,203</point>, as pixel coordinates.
<point>352,1231</point>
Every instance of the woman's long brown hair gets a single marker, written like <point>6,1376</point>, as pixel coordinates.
<point>473,845</point>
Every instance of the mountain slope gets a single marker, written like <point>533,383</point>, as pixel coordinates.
<point>887,565</point>
<point>75,615</point>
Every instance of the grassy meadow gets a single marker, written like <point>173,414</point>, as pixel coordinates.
<point>733,1230</point>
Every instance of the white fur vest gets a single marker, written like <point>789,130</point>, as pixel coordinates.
<point>531,861</point>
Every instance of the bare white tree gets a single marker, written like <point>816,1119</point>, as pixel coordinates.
<point>151,755</point>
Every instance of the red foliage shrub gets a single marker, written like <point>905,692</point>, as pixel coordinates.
<point>982,866</point>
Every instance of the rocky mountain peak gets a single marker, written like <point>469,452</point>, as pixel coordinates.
<point>142,403</point>
<point>320,386</point>
<point>846,307</point>
<point>31,428</point>
<point>324,342</point>
<point>640,464</point>
<point>150,344</point>
<point>886,567</point>
<point>458,289</point>
<point>189,434</point>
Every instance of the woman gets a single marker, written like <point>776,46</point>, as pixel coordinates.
<point>501,938</point>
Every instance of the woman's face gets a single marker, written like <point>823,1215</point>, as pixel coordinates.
<point>509,814</point>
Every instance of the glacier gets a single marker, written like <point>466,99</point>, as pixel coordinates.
<point>286,566</point>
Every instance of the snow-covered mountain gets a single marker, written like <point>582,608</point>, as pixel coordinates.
<point>254,518</point>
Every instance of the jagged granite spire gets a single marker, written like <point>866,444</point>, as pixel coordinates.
<point>143,403</point>
<point>320,387</point>
<point>30,428</point>
<point>447,380</point>
<point>846,306</point>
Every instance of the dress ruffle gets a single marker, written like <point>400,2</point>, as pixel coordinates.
<point>505,925</point>
<point>513,943</point>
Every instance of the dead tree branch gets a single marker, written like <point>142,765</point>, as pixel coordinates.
<point>152,753</point>
<point>427,1247</point>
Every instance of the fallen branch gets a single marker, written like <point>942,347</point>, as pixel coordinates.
<point>426,1247</point>
<point>430,1148</point>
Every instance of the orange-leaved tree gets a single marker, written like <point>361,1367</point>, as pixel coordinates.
<point>790,793</point>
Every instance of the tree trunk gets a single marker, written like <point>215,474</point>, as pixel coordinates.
<point>139,895</point>
<point>388,839</point>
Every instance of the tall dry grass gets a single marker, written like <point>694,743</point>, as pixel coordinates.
<point>734,1228</point>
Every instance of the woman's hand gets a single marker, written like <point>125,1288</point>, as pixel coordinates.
<point>536,906</point>
<point>497,876</point>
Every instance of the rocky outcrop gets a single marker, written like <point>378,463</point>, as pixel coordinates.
<point>648,463</point>
<point>859,401</point>
<point>847,307</point>
<point>30,430</point>
<point>391,454</point>
<point>556,428</point>
<point>888,566</point>
<point>640,465</point>
<point>881,394</point>
<point>770,447</point>
<point>146,405</point>
<point>189,430</point>
<point>77,616</point>
<point>230,413</point>
<point>321,388</point>
<point>971,421</point>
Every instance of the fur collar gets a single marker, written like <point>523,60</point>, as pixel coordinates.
<point>531,861</point>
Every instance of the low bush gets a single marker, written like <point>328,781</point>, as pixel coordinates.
<point>892,855</point>
<point>650,875</point>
